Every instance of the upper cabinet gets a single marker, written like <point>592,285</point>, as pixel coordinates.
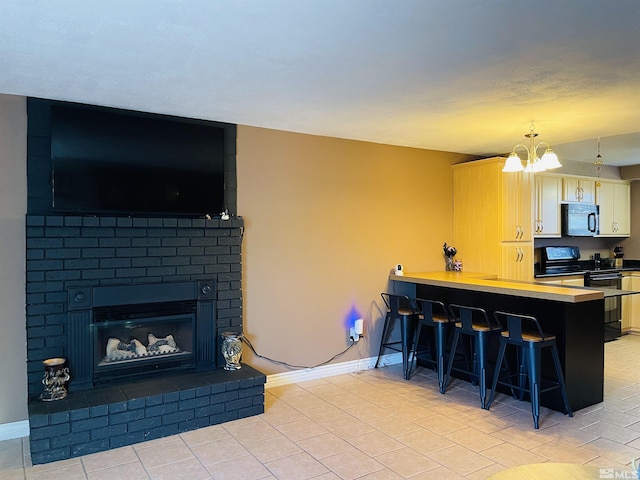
<point>614,200</point>
<point>516,204</point>
<point>576,189</point>
<point>493,218</point>
<point>546,222</point>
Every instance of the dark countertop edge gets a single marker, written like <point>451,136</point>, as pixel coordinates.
<point>583,272</point>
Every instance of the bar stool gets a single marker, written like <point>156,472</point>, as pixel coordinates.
<point>404,309</point>
<point>435,318</point>
<point>473,322</point>
<point>529,343</point>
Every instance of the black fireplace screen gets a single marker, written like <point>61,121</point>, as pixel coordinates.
<point>130,339</point>
<point>119,332</point>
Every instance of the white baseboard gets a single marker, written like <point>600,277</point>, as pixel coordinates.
<point>278,379</point>
<point>12,430</point>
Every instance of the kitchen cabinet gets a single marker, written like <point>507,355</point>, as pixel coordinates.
<point>578,189</point>
<point>627,308</point>
<point>570,280</point>
<point>631,303</point>
<point>493,219</point>
<point>516,213</point>
<point>548,191</point>
<point>517,261</point>
<point>614,200</point>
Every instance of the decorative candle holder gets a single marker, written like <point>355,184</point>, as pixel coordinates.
<point>232,350</point>
<point>56,375</point>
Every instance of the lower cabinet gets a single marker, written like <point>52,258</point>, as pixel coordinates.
<point>631,304</point>
<point>517,261</point>
<point>573,280</point>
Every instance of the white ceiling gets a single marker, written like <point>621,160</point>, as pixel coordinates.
<point>455,75</point>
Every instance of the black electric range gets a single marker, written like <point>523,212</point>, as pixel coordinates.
<point>565,260</point>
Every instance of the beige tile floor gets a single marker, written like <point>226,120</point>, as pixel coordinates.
<point>375,425</point>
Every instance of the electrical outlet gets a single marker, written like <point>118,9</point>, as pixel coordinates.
<point>353,335</point>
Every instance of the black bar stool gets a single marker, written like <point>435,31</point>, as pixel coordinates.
<point>435,318</point>
<point>404,309</point>
<point>524,332</point>
<point>473,322</point>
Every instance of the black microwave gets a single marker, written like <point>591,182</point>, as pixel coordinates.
<point>580,219</point>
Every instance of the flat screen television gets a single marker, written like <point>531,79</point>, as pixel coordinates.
<point>109,161</point>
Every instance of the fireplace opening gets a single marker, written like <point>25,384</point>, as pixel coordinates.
<point>132,340</point>
<point>123,332</point>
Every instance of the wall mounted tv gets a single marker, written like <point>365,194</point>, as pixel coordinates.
<point>109,161</point>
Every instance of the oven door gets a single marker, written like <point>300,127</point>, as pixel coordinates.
<point>612,305</point>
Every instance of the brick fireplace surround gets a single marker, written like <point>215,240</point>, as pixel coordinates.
<point>88,251</point>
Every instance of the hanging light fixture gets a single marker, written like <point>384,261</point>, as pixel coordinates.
<point>548,160</point>
<point>599,162</point>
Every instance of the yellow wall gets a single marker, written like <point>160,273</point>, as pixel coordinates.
<point>326,220</point>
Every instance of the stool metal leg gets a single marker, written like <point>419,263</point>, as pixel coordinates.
<point>481,349</point>
<point>452,354</point>
<point>496,375</point>
<point>533,364</point>
<point>385,334</point>
<point>408,328</point>
<point>441,345</point>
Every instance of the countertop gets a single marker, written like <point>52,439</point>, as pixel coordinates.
<point>629,266</point>
<point>489,283</point>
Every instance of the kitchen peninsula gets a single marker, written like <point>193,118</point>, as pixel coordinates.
<point>573,314</point>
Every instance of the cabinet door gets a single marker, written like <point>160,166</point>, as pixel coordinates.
<point>622,210</point>
<point>627,306</point>
<point>517,261</point>
<point>604,198</point>
<point>516,205</point>
<point>635,304</point>
<point>588,190</point>
<point>613,199</point>
<point>576,189</point>
<point>547,206</point>
<point>577,282</point>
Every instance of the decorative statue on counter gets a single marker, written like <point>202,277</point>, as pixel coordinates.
<point>449,253</point>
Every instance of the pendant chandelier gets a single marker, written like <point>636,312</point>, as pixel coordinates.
<point>599,162</point>
<point>548,160</point>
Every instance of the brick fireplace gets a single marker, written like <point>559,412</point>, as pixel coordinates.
<point>73,264</point>
<point>101,289</point>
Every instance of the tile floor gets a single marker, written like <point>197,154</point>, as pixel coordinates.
<point>374,425</point>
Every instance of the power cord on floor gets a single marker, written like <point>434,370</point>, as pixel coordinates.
<point>246,340</point>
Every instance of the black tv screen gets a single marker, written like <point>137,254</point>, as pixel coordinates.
<point>108,161</point>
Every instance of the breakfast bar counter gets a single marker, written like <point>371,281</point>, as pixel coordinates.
<point>574,315</point>
<point>483,282</point>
